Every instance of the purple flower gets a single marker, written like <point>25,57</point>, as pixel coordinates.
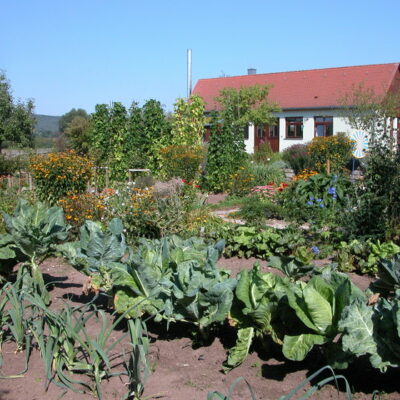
<point>310,203</point>
<point>319,200</point>
<point>321,205</point>
<point>315,249</point>
<point>332,190</point>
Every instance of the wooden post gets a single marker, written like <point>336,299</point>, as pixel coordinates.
<point>107,178</point>
<point>328,166</point>
<point>30,181</point>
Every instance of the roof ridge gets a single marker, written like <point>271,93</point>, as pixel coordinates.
<point>301,70</point>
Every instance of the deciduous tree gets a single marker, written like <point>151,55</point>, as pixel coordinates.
<point>16,117</point>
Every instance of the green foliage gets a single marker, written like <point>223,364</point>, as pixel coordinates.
<point>337,149</point>
<point>254,311</point>
<point>97,252</point>
<point>16,118</point>
<point>376,211</point>
<point>226,152</point>
<point>334,378</point>
<point>100,134</point>
<point>177,280</point>
<point>389,274</point>
<point>364,256</point>
<point>68,117</point>
<point>319,196</point>
<point>156,133</point>
<point>367,111</point>
<point>247,242</point>
<point>224,157</point>
<point>291,266</point>
<point>318,304</point>
<point>8,201</point>
<point>220,396</point>
<point>78,134</point>
<point>267,173</point>
<point>373,331</point>
<point>256,210</point>
<point>8,165</point>
<point>60,174</point>
<point>241,183</point>
<point>248,104</point>
<point>124,139</point>
<point>188,122</point>
<point>298,157</point>
<point>263,153</point>
<point>34,231</point>
<point>181,161</point>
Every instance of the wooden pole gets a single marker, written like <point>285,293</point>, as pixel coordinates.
<point>328,166</point>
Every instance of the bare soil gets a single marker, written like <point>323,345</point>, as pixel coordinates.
<point>182,370</point>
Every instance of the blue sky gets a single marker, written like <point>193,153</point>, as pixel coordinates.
<point>67,54</point>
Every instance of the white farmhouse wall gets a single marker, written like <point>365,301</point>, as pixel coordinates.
<point>250,141</point>
<point>339,125</point>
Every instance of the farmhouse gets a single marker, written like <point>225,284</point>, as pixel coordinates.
<point>309,100</point>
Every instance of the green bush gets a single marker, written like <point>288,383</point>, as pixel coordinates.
<point>298,157</point>
<point>9,166</point>
<point>181,161</point>
<point>241,183</point>
<point>319,197</point>
<point>376,209</point>
<point>337,149</point>
<point>263,153</point>
<point>267,173</point>
<point>255,211</point>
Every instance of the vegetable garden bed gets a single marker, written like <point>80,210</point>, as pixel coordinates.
<point>179,369</point>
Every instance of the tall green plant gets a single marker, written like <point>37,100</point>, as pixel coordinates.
<point>188,121</point>
<point>223,157</point>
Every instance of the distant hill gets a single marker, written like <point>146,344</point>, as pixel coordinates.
<point>46,125</point>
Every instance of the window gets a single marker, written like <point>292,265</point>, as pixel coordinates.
<point>246,132</point>
<point>294,128</point>
<point>274,130</point>
<point>323,126</point>
<point>260,131</point>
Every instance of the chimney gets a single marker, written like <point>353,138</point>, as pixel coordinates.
<point>189,72</point>
<point>251,71</point>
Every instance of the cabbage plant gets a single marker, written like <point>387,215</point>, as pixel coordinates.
<point>33,232</point>
<point>318,305</point>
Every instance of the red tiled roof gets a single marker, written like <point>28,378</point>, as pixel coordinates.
<point>307,89</point>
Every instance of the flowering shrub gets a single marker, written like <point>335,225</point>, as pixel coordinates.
<point>60,174</point>
<point>181,161</point>
<point>83,206</point>
<point>304,175</point>
<point>297,156</point>
<point>319,196</point>
<point>337,149</point>
<point>135,207</point>
<point>241,182</point>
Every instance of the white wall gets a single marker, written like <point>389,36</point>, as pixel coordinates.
<point>339,125</point>
<point>250,141</point>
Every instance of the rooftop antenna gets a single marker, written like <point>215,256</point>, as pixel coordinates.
<point>189,72</point>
